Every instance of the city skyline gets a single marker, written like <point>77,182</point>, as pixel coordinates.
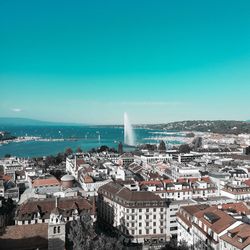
<point>89,62</point>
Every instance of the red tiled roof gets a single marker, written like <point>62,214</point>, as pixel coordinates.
<point>51,181</point>
<point>239,207</point>
<point>223,222</point>
<point>247,182</point>
<point>32,206</point>
<point>242,231</point>
<point>5,177</point>
<point>151,183</point>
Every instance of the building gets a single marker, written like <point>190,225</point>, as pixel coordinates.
<point>201,226</point>
<point>181,189</point>
<point>152,158</point>
<point>184,171</point>
<point>236,190</point>
<point>44,181</point>
<point>237,238</point>
<point>126,159</point>
<point>35,211</point>
<point>183,158</point>
<point>56,230</point>
<point>140,216</point>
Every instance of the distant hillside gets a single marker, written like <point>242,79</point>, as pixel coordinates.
<point>220,126</point>
<point>13,121</point>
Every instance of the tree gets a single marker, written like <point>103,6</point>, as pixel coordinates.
<point>84,237</point>
<point>190,135</point>
<point>79,150</point>
<point>197,142</point>
<point>174,245</point>
<point>120,148</point>
<point>162,146</point>
<point>103,148</point>
<point>68,151</point>
<point>184,148</point>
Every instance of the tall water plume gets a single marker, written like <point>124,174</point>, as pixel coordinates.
<point>129,138</point>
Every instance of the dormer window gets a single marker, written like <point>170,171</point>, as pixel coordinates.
<point>241,240</point>
<point>230,234</point>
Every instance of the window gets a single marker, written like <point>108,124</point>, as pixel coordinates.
<point>58,229</point>
<point>147,216</point>
<point>154,216</point>
<point>147,210</point>
<point>139,224</point>
<point>161,231</point>
<point>154,231</point>
<point>54,230</point>
<point>140,217</point>
<point>147,224</point>
<point>140,231</point>
<point>140,210</point>
<point>147,231</point>
<point>154,210</point>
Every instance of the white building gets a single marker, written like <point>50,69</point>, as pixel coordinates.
<point>140,216</point>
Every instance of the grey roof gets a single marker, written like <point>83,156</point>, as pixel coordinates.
<point>67,177</point>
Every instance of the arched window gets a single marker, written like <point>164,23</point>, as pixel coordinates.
<point>58,229</point>
<point>54,230</point>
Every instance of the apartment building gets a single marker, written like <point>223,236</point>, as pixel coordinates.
<point>140,216</point>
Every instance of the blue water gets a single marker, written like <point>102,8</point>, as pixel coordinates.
<point>85,137</point>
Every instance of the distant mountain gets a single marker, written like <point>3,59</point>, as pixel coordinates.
<point>217,126</point>
<point>13,121</point>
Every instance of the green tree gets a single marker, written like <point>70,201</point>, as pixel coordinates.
<point>84,237</point>
<point>68,151</point>
<point>184,148</point>
<point>162,146</point>
<point>79,150</point>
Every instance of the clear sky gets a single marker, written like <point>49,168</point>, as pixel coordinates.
<point>89,61</point>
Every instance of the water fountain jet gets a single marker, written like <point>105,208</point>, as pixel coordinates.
<point>129,138</point>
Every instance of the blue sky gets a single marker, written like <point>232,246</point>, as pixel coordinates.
<point>89,61</point>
